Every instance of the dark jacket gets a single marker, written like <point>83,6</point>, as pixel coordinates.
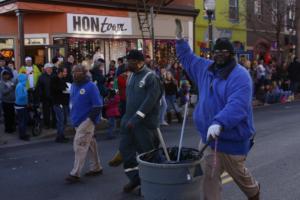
<point>121,69</point>
<point>294,71</point>
<point>43,87</point>
<point>99,79</point>
<point>170,88</point>
<point>58,91</point>
<point>143,94</point>
<point>69,67</point>
<point>7,89</point>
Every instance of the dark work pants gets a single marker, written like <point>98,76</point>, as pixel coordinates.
<point>140,139</point>
<point>48,114</point>
<point>9,117</point>
<point>22,121</point>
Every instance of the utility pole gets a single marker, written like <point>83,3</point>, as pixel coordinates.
<point>152,33</point>
<point>297,27</point>
<point>20,44</point>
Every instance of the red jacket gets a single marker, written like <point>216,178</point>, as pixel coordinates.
<point>122,79</point>
<point>112,106</point>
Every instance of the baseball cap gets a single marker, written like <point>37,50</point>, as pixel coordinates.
<point>48,65</point>
<point>28,58</point>
<point>135,55</point>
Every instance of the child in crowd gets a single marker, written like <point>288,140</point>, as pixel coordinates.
<point>112,111</point>
<point>21,106</point>
<point>184,92</point>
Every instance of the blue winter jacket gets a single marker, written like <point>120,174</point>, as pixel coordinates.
<point>226,101</point>
<point>21,91</point>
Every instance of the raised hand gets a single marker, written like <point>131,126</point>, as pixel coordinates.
<point>178,29</point>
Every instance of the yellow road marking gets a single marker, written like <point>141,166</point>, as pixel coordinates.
<point>224,174</point>
<point>226,180</point>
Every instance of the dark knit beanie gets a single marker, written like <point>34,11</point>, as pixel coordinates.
<point>224,44</point>
<point>135,55</point>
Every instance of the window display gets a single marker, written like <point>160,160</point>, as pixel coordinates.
<point>165,51</point>
<point>84,49</point>
<point>7,48</point>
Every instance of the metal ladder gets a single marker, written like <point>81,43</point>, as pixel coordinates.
<point>143,13</point>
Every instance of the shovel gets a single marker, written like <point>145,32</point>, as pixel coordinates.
<point>163,144</point>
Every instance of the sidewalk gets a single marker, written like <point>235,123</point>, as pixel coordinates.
<point>12,140</point>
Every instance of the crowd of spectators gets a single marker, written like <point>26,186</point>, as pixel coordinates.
<point>49,87</point>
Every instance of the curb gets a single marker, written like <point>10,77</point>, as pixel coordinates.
<point>48,135</point>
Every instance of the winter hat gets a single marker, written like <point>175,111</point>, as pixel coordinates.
<point>135,55</point>
<point>4,72</point>
<point>48,65</point>
<point>223,44</point>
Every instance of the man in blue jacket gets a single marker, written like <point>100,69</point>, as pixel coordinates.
<point>85,114</point>
<point>223,115</point>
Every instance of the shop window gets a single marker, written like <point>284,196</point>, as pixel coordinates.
<point>59,41</point>
<point>257,7</point>
<point>165,51</point>
<point>7,48</point>
<point>233,10</point>
<point>84,49</point>
<point>36,39</point>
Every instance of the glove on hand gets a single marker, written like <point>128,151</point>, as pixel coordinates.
<point>213,131</point>
<point>178,29</point>
<point>133,121</point>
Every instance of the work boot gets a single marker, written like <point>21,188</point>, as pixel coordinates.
<point>131,186</point>
<point>72,179</point>
<point>116,160</point>
<point>179,117</point>
<point>255,197</point>
<point>169,117</point>
<point>94,173</point>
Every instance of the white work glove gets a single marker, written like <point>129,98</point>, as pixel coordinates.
<point>213,131</point>
<point>178,32</point>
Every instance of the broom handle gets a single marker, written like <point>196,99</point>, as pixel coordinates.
<point>182,130</point>
<point>163,144</point>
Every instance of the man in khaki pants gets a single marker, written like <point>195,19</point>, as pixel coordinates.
<point>85,113</point>
<point>223,115</point>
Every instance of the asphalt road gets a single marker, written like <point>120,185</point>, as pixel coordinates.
<point>37,171</point>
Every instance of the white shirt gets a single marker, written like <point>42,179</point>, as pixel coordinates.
<point>261,71</point>
<point>29,72</point>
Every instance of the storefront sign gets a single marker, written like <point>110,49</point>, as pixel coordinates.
<point>91,24</point>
